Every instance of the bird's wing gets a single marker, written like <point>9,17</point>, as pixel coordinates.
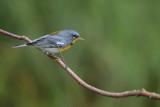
<point>48,41</point>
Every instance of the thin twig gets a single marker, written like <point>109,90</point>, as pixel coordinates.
<point>137,93</point>
<point>15,36</point>
<point>61,55</point>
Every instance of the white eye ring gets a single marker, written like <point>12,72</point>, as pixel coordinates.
<point>74,36</point>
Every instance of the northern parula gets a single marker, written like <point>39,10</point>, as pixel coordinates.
<point>54,42</point>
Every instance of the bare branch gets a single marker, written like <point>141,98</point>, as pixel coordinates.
<point>137,93</point>
<point>15,36</point>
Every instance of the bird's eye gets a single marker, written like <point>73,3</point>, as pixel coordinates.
<point>74,36</point>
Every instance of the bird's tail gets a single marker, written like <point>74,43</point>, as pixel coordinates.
<point>17,46</point>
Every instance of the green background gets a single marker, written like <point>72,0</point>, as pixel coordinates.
<point>121,51</point>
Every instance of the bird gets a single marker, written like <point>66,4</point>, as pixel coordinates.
<point>54,42</point>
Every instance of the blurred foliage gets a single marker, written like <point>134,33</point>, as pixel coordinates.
<point>120,52</point>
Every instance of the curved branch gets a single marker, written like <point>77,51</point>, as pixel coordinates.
<point>137,93</point>
<point>15,36</point>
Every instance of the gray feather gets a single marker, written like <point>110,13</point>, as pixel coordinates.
<point>17,46</point>
<point>48,42</point>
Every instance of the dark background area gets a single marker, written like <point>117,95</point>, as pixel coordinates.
<point>120,52</point>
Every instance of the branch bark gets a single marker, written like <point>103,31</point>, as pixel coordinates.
<point>137,93</point>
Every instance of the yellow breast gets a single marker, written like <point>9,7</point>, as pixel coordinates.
<point>67,47</point>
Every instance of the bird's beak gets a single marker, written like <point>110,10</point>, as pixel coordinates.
<point>80,38</point>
